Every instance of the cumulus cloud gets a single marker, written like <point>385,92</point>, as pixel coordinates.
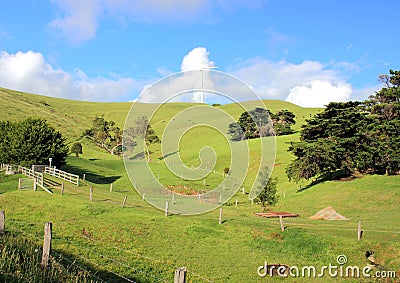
<point>29,71</point>
<point>196,59</point>
<point>79,20</point>
<point>185,86</point>
<point>319,93</point>
<point>309,83</point>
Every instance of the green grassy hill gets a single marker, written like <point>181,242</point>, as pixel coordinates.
<point>73,117</point>
<point>139,242</point>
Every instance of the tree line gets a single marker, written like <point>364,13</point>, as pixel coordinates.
<point>352,136</point>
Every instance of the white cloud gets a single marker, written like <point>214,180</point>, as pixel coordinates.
<point>309,83</point>
<point>196,59</point>
<point>79,20</point>
<point>319,93</point>
<point>189,81</point>
<point>28,71</point>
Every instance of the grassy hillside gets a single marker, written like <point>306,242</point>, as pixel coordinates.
<point>73,117</point>
<point>139,242</point>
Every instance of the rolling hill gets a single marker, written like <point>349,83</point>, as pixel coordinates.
<point>139,237</point>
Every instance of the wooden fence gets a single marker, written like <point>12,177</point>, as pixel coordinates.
<point>32,174</point>
<point>72,178</point>
<point>9,168</point>
<point>179,276</point>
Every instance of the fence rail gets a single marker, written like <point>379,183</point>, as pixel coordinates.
<point>32,174</point>
<point>9,167</point>
<point>72,178</point>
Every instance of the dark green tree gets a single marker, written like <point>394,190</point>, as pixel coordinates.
<point>77,149</point>
<point>248,125</point>
<point>283,122</point>
<point>267,193</point>
<point>382,148</point>
<point>354,136</point>
<point>235,131</point>
<point>313,159</point>
<point>261,123</point>
<point>31,141</point>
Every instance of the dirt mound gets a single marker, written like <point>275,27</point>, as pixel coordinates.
<point>328,214</point>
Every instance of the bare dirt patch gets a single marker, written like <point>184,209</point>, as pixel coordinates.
<point>328,213</point>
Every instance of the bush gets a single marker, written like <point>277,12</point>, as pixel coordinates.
<point>31,141</point>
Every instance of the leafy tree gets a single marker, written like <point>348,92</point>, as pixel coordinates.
<point>106,134</point>
<point>31,141</point>
<point>268,193</point>
<point>355,136</point>
<point>314,158</point>
<point>6,129</point>
<point>248,125</point>
<point>77,149</point>
<point>257,123</point>
<point>235,131</point>
<point>283,122</point>
<point>142,131</point>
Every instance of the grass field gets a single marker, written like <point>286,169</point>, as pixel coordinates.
<point>140,243</point>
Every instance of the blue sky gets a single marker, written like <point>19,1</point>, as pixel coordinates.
<point>308,52</point>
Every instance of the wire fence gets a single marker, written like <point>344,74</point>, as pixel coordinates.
<point>103,261</point>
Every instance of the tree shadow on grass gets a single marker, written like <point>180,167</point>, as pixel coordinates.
<point>328,176</point>
<point>90,176</point>
<point>93,271</point>
<point>168,154</point>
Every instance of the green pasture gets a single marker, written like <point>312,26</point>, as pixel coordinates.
<point>141,243</point>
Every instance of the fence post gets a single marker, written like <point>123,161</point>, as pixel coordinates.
<point>220,216</point>
<point>19,183</point>
<point>281,222</point>
<point>111,187</point>
<point>123,205</point>
<point>84,177</point>
<point>2,220</point>
<point>359,232</point>
<point>166,208</point>
<point>180,275</point>
<point>91,194</point>
<point>34,185</point>
<point>46,244</point>
<point>62,188</point>
<point>236,203</point>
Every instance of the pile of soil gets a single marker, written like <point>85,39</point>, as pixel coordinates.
<point>328,214</point>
